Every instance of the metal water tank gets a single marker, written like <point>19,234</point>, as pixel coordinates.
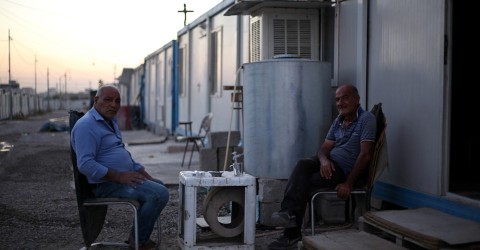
<point>287,113</point>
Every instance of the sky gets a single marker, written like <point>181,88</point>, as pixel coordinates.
<point>53,42</point>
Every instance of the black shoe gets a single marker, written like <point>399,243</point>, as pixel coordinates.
<point>283,219</point>
<point>284,243</point>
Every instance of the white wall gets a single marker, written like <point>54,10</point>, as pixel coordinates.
<point>405,72</point>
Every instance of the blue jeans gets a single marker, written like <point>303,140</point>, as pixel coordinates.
<point>152,196</point>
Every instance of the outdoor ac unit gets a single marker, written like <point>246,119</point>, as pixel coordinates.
<point>280,31</point>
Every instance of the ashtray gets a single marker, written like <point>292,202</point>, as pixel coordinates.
<point>216,173</point>
<point>198,173</point>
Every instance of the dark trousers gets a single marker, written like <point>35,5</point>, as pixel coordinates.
<point>305,178</point>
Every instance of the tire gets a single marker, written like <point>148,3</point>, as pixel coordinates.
<point>215,200</point>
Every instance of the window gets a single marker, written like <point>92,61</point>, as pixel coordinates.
<point>182,75</point>
<point>216,62</point>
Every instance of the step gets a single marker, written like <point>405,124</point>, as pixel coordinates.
<point>347,239</point>
<point>422,227</point>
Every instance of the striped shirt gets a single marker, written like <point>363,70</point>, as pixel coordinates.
<point>347,140</point>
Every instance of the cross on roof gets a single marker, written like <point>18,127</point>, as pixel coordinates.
<point>185,13</point>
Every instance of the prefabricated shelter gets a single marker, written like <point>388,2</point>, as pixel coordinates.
<point>159,83</point>
<point>183,80</point>
<point>406,54</point>
<point>403,53</point>
<point>211,49</point>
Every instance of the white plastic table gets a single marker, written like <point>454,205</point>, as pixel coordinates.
<point>187,190</point>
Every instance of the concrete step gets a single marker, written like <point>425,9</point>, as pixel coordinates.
<point>347,239</point>
<point>426,228</point>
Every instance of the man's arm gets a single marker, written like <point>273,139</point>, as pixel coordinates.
<point>326,165</point>
<point>361,164</point>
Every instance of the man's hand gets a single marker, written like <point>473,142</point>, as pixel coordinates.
<point>343,190</point>
<point>326,170</point>
<point>145,174</point>
<point>326,165</point>
<point>130,178</point>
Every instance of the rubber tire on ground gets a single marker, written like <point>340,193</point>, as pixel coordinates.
<point>214,200</point>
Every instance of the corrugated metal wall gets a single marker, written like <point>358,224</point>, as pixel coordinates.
<point>406,73</point>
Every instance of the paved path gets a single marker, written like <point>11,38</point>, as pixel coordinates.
<point>161,157</point>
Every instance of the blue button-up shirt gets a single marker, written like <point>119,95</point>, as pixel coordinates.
<point>99,147</point>
<point>347,140</point>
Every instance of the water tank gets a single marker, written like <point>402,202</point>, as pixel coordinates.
<point>287,112</point>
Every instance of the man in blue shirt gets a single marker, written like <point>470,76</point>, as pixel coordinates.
<point>104,160</point>
<point>342,160</point>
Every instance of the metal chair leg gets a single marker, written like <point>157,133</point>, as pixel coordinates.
<point>195,147</point>
<point>312,213</point>
<point>185,151</point>
<point>159,233</point>
<point>136,229</point>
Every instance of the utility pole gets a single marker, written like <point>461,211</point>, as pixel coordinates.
<point>36,97</point>
<point>48,90</point>
<point>10,78</point>
<point>66,95</point>
<point>9,70</point>
<point>185,11</point>
<point>60,93</point>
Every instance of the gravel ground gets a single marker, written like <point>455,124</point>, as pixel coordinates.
<point>38,207</point>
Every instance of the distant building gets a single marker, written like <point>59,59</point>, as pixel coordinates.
<point>13,85</point>
<point>29,91</point>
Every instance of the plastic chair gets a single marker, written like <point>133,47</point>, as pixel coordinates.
<point>92,210</point>
<point>377,165</point>
<point>196,139</point>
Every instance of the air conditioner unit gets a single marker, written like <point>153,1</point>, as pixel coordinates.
<point>280,31</point>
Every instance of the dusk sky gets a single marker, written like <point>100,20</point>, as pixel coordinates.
<point>85,41</point>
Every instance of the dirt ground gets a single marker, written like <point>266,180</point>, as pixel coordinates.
<point>38,207</point>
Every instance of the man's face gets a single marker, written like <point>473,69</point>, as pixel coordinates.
<point>347,101</point>
<point>108,103</point>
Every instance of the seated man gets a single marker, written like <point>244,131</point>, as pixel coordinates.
<point>103,159</point>
<point>342,160</point>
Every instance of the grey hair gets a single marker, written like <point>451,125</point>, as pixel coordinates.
<point>101,88</point>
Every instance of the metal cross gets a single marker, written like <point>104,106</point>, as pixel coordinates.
<point>185,13</point>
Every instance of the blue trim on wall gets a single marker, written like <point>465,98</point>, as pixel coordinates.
<point>411,199</point>
<point>142,95</point>
<point>175,101</point>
